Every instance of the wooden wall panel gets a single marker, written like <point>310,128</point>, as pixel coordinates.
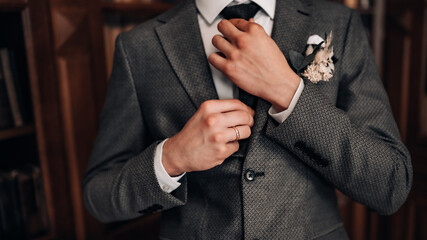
<point>420,213</point>
<point>408,25</point>
<point>396,78</point>
<point>79,122</point>
<point>48,123</point>
<point>76,64</point>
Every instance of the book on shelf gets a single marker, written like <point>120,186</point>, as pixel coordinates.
<point>33,205</point>
<point>10,211</point>
<point>23,212</point>
<point>14,87</point>
<point>6,120</point>
<point>17,72</point>
<point>10,87</point>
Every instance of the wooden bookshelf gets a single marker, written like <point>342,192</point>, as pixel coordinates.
<point>25,30</point>
<point>19,145</point>
<point>81,44</point>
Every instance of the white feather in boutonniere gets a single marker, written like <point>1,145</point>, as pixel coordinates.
<point>318,63</point>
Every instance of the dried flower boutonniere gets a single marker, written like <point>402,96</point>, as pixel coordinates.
<point>318,63</point>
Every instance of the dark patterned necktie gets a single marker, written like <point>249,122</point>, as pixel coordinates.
<point>245,11</point>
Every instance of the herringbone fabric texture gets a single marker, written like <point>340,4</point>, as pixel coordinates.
<point>341,134</point>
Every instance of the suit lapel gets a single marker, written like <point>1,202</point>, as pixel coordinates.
<point>292,25</point>
<point>181,40</point>
<point>291,29</point>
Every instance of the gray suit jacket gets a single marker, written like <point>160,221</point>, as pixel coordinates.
<point>341,135</point>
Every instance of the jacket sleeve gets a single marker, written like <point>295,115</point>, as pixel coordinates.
<point>120,181</point>
<point>354,144</point>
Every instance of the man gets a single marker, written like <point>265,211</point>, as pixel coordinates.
<point>167,143</point>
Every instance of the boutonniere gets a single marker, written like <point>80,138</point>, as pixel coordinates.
<point>318,62</point>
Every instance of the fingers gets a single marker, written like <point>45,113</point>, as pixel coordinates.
<point>224,105</point>
<point>228,30</point>
<point>236,118</point>
<point>218,61</point>
<point>232,146</point>
<point>220,116</point>
<point>222,45</point>
<point>241,24</point>
<point>243,132</point>
<point>231,134</point>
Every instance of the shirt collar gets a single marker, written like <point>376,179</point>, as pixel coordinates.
<point>210,9</point>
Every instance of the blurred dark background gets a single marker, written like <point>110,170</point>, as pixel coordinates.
<point>56,56</point>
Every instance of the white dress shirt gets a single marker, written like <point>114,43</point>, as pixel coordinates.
<point>208,18</point>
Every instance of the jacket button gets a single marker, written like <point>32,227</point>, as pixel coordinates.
<point>249,175</point>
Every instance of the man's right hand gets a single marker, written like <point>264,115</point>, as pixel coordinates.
<point>208,138</point>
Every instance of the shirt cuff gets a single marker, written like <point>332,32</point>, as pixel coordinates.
<point>166,182</point>
<point>280,117</point>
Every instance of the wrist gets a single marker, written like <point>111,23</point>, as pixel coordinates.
<point>282,95</point>
<point>169,157</point>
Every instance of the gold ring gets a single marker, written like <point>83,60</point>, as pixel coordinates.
<point>237,133</point>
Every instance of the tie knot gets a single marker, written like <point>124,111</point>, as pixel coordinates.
<point>245,11</point>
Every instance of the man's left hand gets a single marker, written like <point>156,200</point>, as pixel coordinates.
<point>253,61</point>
